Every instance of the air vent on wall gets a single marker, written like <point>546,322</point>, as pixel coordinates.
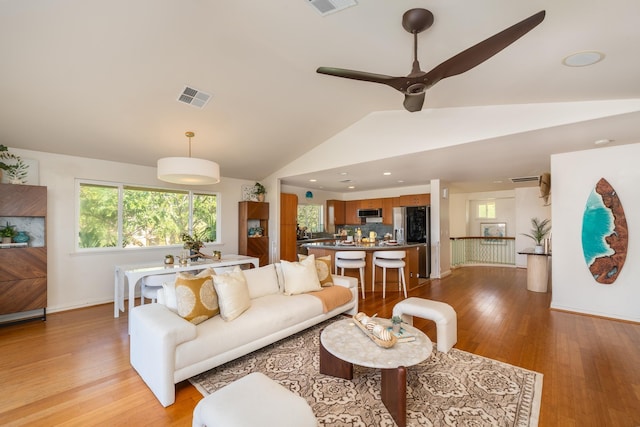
<point>194,97</point>
<point>326,7</point>
<point>524,179</point>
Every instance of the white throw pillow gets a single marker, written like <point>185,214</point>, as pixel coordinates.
<point>233,294</point>
<point>300,277</point>
<point>262,281</point>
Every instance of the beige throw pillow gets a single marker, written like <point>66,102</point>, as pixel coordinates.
<point>323,268</point>
<point>300,277</point>
<point>233,293</point>
<point>196,298</point>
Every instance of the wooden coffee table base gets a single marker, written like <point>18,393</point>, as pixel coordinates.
<point>393,388</point>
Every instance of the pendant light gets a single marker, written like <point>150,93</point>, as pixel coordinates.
<point>188,170</point>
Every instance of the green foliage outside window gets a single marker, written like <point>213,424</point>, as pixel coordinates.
<point>310,216</point>
<point>150,217</point>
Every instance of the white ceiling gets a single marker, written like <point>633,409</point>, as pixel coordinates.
<point>100,79</point>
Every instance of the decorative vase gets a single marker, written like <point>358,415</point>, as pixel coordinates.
<point>261,197</point>
<point>6,240</point>
<point>168,259</point>
<point>539,249</point>
<point>21,237</point>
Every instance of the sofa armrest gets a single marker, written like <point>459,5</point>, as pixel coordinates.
<point>346,281</point>
<point>155,332</point>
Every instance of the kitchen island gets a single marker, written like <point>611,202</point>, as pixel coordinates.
<point>320,249</point>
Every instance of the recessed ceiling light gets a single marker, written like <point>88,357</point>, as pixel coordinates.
<point>386,173</point>
<point>400,181</point>
<point>343,173</point>
<point>583,59</point>
<point>351,187</point>
<point>313,180</point>
<point>497,182</point>
<point>602,141</point>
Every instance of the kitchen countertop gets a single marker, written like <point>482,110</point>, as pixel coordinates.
<point>331,245</point>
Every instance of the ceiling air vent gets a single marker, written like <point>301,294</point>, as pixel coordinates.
<point>326,7</point>
<point>194,97</point>
<point>525,179</point>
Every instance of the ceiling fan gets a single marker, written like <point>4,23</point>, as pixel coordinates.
<point>417,82</point>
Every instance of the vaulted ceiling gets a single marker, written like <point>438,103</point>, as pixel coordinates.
<point>101,79</point>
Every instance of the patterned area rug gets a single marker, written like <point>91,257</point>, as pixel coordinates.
<point>453,389</point>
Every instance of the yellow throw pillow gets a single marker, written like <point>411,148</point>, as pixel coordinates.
<point>196,297</point>
<point>323,268</point>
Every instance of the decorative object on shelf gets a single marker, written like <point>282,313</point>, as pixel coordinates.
<point>217,255</point>
<point>193,244</point>
<point>376,332</point>
<point>188,170</point>
<point>256,232</point>
<point>259,191</point>
<point>21,237</point>
<point>16,168</point>
<point>539,231</point>
<point>7,233</point>
<point>168,259</point>
<point>308,195</point>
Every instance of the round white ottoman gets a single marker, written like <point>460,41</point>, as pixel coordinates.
<point>253,400</point>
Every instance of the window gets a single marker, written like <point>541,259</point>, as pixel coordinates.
<point>115,215</point>
<point>487,209</point>
<point>310,216</point>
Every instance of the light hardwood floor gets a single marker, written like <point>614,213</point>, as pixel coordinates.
<point>74,368</point>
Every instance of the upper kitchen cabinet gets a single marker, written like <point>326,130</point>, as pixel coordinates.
<point>370,204</point>
<point>415,200</point>
<point>335,215</point>
<point>351,212</point>
<point>387,210</point>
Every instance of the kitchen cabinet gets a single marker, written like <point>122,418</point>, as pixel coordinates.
<point>288,226</point>
<point>370,203</point>
<point>335,215</point>
<point>387,210</point>
<point>252,215</point>
<point>415,200</point>
<point>351,212</point>
<point>23,270</point>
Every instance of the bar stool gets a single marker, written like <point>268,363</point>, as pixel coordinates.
<point>389,259</point>
<point>351,259</point>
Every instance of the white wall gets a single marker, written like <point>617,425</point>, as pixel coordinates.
<point>528,204</point>
<point>574,175</point>
<point>81,279</point>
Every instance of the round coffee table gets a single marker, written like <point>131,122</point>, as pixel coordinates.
<point>343,344</point>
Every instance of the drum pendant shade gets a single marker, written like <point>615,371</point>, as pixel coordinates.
<point>188,170</point>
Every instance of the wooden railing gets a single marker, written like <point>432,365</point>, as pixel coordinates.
<point>482,250</point>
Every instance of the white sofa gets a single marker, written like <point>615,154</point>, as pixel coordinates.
<point>166,349</point>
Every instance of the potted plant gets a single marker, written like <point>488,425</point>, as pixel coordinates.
<point>7,233</point>
<point>193,244</point>
<point>259,191</point>
<point>539,231</point>
<point>396,321</point>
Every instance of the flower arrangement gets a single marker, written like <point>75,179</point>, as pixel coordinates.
<point>193,243</point>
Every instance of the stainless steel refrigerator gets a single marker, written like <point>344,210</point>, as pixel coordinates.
<point>411,224</point>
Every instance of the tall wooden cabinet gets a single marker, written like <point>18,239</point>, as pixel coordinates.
<point>335,215</point>
<point>288,226</point>
<point>23,269</point>
<point>253,230</point>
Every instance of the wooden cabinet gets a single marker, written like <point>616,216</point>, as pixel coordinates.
<point>351,212</point>
<point>252,215</point>
<point>415,200</point>
<point>335,215</point>
<point>387,210</point>
<point>23,270</point>
<point>288,226</point>
<point>370,203</point>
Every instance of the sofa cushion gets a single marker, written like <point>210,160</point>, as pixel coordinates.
<point>300,277</point>
<point>168,295</point>
<point>233,293</point>
<point>323,268</point>
<point>262,281</point>
<point>196,298</point>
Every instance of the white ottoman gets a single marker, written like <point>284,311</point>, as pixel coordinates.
<point>253,400</point>
<point>443,314</point>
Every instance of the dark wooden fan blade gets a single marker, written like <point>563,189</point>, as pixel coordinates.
<point>477,54</point>
<point>356,75</point>
<point>414,102</point>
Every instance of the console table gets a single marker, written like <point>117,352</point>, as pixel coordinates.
<point>537,270</point>
<point>134,272</point>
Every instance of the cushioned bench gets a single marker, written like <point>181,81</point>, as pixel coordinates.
<point>443,314</point>
<point>253,400</point>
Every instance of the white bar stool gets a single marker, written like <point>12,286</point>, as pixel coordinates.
<point>351,259</point>
<point>389,259</point>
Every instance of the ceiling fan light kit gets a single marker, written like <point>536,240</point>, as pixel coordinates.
<point>188,170</point>
<point>416,83</point>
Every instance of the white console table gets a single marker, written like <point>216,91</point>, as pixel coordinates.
<point>134,272</point>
